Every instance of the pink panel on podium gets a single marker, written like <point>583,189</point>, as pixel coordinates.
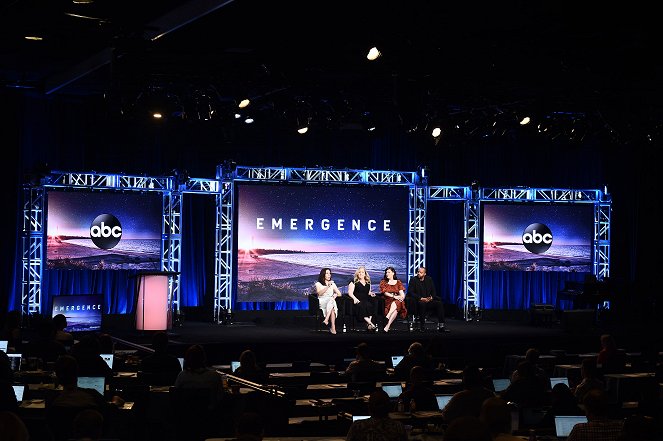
<point>152,307</point>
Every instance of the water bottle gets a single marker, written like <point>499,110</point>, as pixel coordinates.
<point>400,407</point>
<point>344,328</point>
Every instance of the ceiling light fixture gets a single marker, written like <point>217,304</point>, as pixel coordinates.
<point>436,132</point>
<point>525,121</point>
<point>244,103</point>
<point>373,54</point>
<point>302,130</point>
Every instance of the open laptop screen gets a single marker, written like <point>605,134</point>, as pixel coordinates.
<point>15,361</point>
<point>564,424</point>
<point>442,400</point>
<point>555,380</point>
<point>500,384</point>
<point>96,383</point>
<point>395,359</point>
<point>360,417</point>
<point>393,390</point>
<point>181,360</point>
<point>234,365</point>
<point>108,358</point>
<point>3,345</point>
<point>18,391</point>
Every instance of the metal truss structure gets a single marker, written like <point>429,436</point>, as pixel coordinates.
<point>173,188</point>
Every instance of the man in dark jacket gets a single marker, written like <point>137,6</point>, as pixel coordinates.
<point>422,290</point>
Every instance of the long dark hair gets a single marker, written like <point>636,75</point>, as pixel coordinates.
<point>321,277</point>
<point>385,273</point>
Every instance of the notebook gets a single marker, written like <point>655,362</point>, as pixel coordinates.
<point>395,359</point>
<point>564,424</point>
<point>108,358</point>
<point>500,384</point>
<point>96,383</point>
<point>181,360</point>
<point>394,390</point>
<point>234,365</point>
<point>15,361</point>
<point>3,345</point>
<point>442,400</point>
<point>555,380</point>
<point>18,391</point>
<point>360,417</point>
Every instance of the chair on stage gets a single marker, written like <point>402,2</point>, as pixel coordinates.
<point>314,309</point>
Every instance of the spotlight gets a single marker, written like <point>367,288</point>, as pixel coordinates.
<point>525,121</point>
<point>373,54</point>
<point>249,120</point>
<point>436,132</point>
<point>302,130</point>
<point>244,103</point>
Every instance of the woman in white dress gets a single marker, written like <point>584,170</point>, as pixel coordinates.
<point>327,293</point>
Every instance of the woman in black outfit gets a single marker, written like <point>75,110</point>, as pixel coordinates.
<point>365,304</point>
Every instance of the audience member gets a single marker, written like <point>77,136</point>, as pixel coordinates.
<point>64,337</point>
<point>496,416</point>
<point>598,426</point>
<point>363,367</point>
<point>468,401</point>
<point>160,368</point>
<point>106,344</point>
<point>611,359</point>
<point>249,427</point>
<point>416,356</point>
<point>419,389</point>
<point>589,380</point>
<point>7,396</point>
<point>529,389</point>
<point>466,428</point>
<point>532,355</point>
<point>11,331</point>
<point>12,427</point>
<point>196,373</point>
<point>379,426</point>
<point>88,425</point>
<point>640,428</point>
<point>87,353</point>
<point>249,369</point>
<point>46,348</point>
<point>562,402</point>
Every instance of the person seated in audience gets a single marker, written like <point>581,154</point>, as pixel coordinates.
<point>468,401</point>
<point>88,425</point>
<point>106,344</point>
<point>416,356</point>
<point>466,428</point>
<point>562,402</point>
<point>598,426</point>
<point>196,373</point>
<point>45,347</point>
<point>249,369</point>
<point>7,396</point>
<point>611,359</point>
<point>363,367</point>
<point>529,389</point>
<point>87,353</point>
<point>64,337</point>
<point>12,427</point>
<point>640,428</point>
<point>379,426</point>
<point>11,331</point>
<point>532,355</point>
<point>496,415</point>
<point>419,389</point>
<point>249,427</point>
<point>160,368</point>
<point>589,381</point>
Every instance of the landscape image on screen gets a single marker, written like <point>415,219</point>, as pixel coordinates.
<point>504,228</point>
<point>287,233</point>
<point>69,218</point>
<point>83,311</point>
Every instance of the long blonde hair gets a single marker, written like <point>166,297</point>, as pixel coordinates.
<point>367,278</point>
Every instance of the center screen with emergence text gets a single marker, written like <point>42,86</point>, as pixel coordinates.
<point>287,233</point>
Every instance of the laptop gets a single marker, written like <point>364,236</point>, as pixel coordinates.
<point>108,358</point>
<point>394,390</point>
<point>442,400</point>
<point>18,391</point>
<point>359,417</point>
<point>181,360</point>
<point>96,383</point>
<point>395,359</point>
<point>15,361</point>
<point>500,384</point>
<point>3,345</point>
<point>234,365</point>
<point>564,424</point>
<point>555,380</point>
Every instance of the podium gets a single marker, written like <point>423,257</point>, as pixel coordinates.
<point>153,310</point>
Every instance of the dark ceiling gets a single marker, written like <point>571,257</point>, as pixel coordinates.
<point>440,59</point>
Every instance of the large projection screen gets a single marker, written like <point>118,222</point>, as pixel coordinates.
<point>286,233</point>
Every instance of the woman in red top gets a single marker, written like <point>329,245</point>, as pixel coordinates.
<point>394,296</point>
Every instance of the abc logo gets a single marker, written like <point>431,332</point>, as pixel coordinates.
<point>105,231</point>
<point>537,238</point>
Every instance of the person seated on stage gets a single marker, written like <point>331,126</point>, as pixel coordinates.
<point>196,373</point>
<point>363,368</point>
<point>379,426</point>
<point>422,290</point>
<point>589,381</point>
<point>64,337</point>
<point>416,356</point>
<point>528,389</point>
<point>611,359</point>
<point>598,426</point>
<point>468,401</point>
<point>328,292</point>
<point>87,353</point>
<point>419,389</point>
<point>160,368</point>
<point>249,369</point>
<point>496,415</point>
<point>532,355</point>
<point>393,292</point>
<point>365,304</point>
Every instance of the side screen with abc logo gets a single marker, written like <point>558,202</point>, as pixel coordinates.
<point>537,237</point>
<point>104,230</point>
